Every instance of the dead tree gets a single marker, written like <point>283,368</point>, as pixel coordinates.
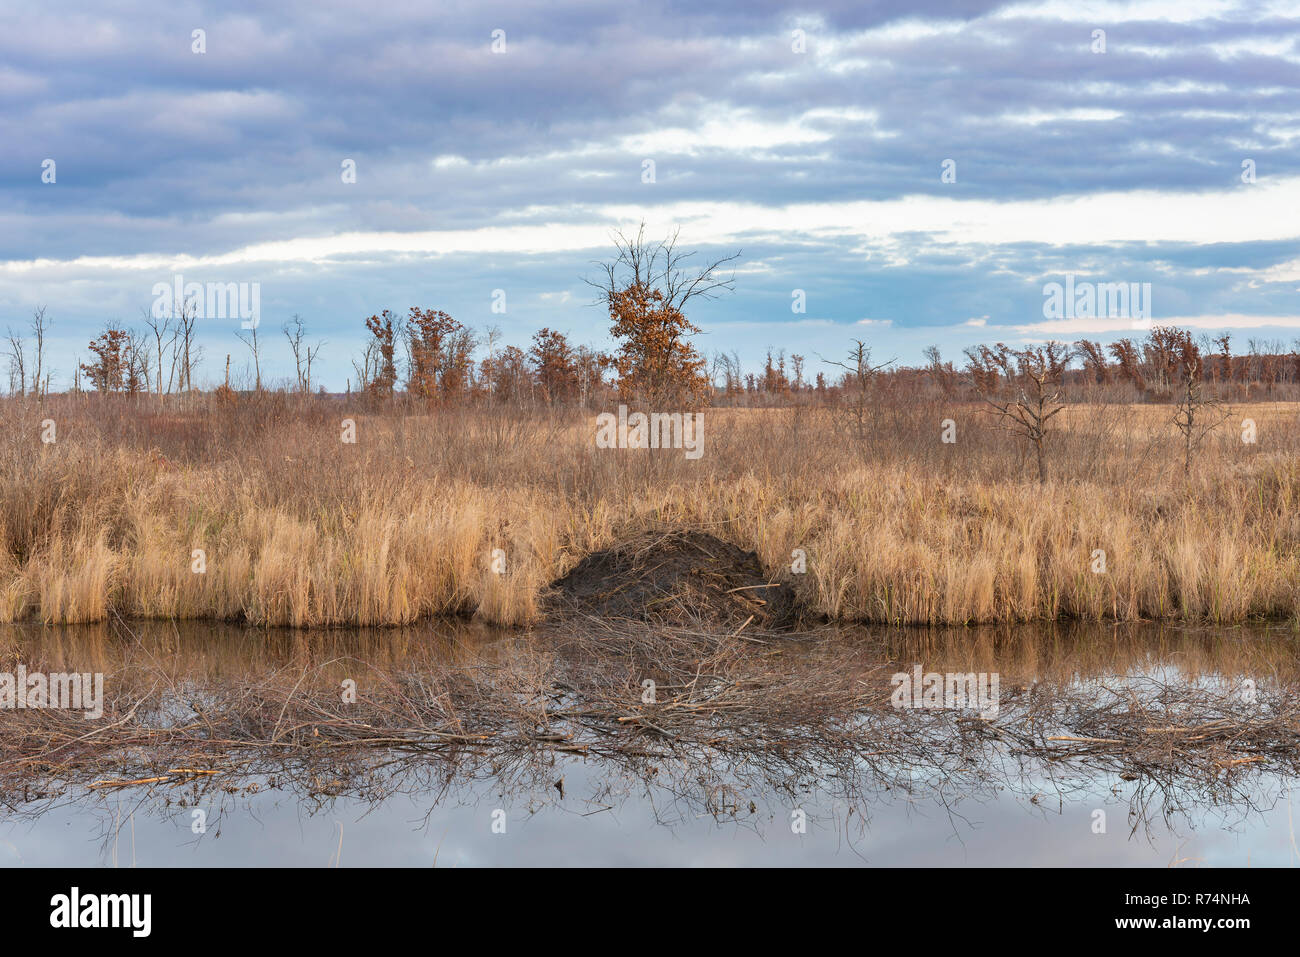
<point>40,326</point>
<point>17,363</point>
<point>367,368</point>
<point>295,330</point>
<point>1196,414</point>
<point>312,352</point>
<point>186,350</point>
<point>159,327</point>
<point>1024,390</point>
<point>860,374</point>
<point>255,348</point>
<point>136,376</point>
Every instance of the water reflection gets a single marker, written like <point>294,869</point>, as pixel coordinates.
<point>920,788</point>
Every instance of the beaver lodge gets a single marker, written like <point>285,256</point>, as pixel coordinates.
<point>680,578</point>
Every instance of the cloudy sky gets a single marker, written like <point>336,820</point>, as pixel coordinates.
<point>814,138</point>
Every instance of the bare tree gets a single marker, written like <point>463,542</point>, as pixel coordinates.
<point>368,368</point>
<point>860,376</point>
<point>491,337</point>
<point>187,350</point>
<point>720,367</point>
<point>17,363</point>
<point>295,330</point>
<point>1023,389</point>
<point>591,367</point>
<point>159,327</point>
<point>1196,415</point>
<point>255,348</point>
<point>40,326</point>
<point>137,363</point>
<point>312,352</point>
<point>660,266</point>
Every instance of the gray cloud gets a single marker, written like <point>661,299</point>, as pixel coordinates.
<point>163,151</point>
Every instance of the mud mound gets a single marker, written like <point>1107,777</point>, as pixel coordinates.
<point>680,578</point>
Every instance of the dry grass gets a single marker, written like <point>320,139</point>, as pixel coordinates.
<point>301,529</point>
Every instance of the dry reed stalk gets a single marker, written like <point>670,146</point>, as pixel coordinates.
<point>300,529</point>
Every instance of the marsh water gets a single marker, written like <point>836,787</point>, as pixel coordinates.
<point>989,808</point>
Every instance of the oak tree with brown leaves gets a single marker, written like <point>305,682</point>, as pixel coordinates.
<point>108,372</point>
<point>646,287</point>
<point>429,334</point>
<point>379,373</point>
<point>654,361</point>
<point>555,366</point>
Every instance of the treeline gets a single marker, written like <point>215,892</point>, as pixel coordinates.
<point>430,356</point>
<point>427,356</point>
<point>1145,369</point>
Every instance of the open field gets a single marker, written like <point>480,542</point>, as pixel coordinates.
<point>297,527</point>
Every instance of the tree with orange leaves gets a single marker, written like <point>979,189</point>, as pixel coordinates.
<point>379,374</point>
<point>426,331</point>
<point>509,375</point>
<point>113,360</point>
<point>440,350</point>
<point>655,363</point>
<point>646,287</point>
<point>554,366</point>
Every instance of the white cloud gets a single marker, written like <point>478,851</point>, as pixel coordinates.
<point>1064,328</point>
<point>1039,117</point>
<point>1239,213</point>
<point>1107,12</point>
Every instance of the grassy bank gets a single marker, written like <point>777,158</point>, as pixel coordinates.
<point>297,527</point>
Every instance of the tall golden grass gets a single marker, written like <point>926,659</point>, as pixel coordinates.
<point>299,528</point>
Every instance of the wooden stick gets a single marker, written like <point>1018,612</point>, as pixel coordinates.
<point>123,784</point>
<point>1089,740</point>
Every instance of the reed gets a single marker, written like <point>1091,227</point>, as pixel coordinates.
<point>299,528</point>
